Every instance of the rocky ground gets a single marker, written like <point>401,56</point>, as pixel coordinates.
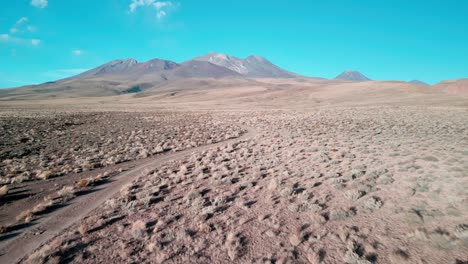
<point>341,185</point>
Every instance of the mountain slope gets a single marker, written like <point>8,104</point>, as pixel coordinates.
<point>352,76</point>
<point>201,69</point>
<point>459,86</point>
<point>115,66</point>
<point>120,77</point>
<point>252,66</point>
<point>153,66</point>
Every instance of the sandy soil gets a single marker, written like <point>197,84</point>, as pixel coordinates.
<point>327,177</point>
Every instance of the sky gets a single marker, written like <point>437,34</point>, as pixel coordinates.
<point>46,40</point>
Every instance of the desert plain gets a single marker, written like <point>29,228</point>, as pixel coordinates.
<point>224,170</point>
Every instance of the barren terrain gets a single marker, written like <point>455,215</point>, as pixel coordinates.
<point>268,171</point>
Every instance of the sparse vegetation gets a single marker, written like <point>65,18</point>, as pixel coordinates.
<point>305,187</point>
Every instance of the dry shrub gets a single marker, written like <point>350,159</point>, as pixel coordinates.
<point>42,206</point>
<point>83,229</point>
<point>372,203</point>
<point>40,256</point>
<point>340,214</point>
<point>461,231</point>
<point>234,246</point>
<point>4,190</point>
<point>151,247</point>
<point>138,229</point>
<point>354,194</point>
<point>44,175</point>
<point>83,183</point>
<point>66,193</point>
<point>19,179</point>
<point>25,216</point>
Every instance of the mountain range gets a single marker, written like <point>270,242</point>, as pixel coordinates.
<point>211,65</point>
<point>130,76</point>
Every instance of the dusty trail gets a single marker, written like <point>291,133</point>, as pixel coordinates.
<point>13,250</point>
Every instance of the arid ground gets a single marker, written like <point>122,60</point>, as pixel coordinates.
<point>265,171</point>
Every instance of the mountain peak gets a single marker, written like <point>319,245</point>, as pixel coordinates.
<point>352,75</point>
<point>253,66</point>
<point>257,58</point>
<point>129,61</point>
<point>418,82</point>
<point>218,55</point>
<point>224,60</point>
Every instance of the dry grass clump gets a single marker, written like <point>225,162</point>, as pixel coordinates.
<point>82,183</point>
<point>4,190</point>
<point>52,252</point>
<point>461,231</point>
<point>341,214</point>
<point>235,246</point>
<point>47,203</point>
<point>20,179</point>
<point>138,230</point>
<point>83,229</point>
<point>354,194</point>
<point>372,203</point>
<point>66,193</point>
<point>40,256</point>
<point>28,216</point>
<point>44,175</point>
<point>305,207</point>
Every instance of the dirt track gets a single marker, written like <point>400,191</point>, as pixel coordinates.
<point>14,249</point>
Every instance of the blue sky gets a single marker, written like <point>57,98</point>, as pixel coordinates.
<point>44,40</point>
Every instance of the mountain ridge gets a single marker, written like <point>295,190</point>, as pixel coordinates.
<point>352,75</point>
<point>253,66</point>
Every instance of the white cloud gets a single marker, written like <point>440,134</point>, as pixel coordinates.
<point>77,52</point>
<point>21,26</point>
<point>39,3</point>
<point>22,20</point>
<point>35,42</point>
<point>161,14</point>
<point>161,7</point>
<point>6,38</point>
